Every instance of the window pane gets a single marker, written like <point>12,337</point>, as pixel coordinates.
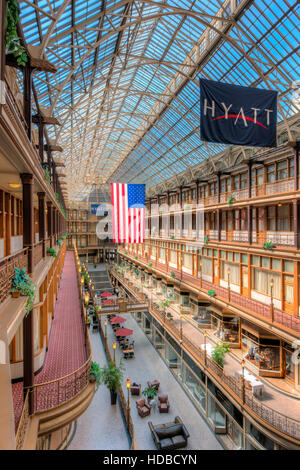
<point>276,264</point>
<point>288,266</point>
<point>265,262</point>
<point>244,258</point>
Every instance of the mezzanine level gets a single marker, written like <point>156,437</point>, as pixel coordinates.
<point>274,415</point>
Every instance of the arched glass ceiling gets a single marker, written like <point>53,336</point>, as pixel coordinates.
<point>126,90</point>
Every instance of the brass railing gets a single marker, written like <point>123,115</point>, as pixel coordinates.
<point>23,424</point>
<point>7,270</point>
<point>277,420</point>
<point>56,392</point>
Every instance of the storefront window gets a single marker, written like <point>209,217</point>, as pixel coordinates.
<point>216,415</point>
<point>289,364</point>
<point>259,437</point>
<point>158,339</point>
<point>226,328</point>
<point>147,326</point>
<point>173,359</point>
<point>185,300</point>
<point>262,352</point>
<point>194,386</point>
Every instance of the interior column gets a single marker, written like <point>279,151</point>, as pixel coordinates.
<point>28,242</point>
<point>42,220</point>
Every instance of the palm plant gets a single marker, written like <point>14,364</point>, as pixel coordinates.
<point>112,376</point>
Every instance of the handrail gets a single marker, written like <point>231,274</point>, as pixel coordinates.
<point>13,255</point>
<point>276,419</point>
<point>63,377</point>
<point>23,424</point>
<point>61,390</point>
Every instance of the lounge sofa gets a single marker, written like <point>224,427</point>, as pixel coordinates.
<point>167,436</point>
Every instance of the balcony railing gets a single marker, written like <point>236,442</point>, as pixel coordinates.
<point>236,300</point>
<point>23,424</point>
<point>7,270</point>
<point>56,392</point>
<point>277,420</point>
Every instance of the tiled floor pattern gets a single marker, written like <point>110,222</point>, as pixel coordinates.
<point>148,365</point>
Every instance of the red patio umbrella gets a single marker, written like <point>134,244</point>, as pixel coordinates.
<point>118,319</point>
<point>124,332</point>
<point>106,294</point>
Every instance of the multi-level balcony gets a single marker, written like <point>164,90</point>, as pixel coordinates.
<point>226,297</point>
<point>272,411</point>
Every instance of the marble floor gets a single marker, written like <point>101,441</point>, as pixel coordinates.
<point>101,426</point>
<point>148,365</point>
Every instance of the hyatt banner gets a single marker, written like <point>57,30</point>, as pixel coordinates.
<point>232,114</point>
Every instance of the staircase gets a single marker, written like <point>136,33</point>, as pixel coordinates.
<point>100,277</point>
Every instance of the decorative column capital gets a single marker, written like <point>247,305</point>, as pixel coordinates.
<point>27,178</point>
<point>41,195</point>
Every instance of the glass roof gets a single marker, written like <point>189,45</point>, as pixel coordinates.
<point>127,92</point>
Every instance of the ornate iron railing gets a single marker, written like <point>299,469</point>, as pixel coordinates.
<point>23,424</point>
<point>7,270</point>
<point>56,392</point>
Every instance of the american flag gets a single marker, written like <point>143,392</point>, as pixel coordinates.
<point>128,212</point>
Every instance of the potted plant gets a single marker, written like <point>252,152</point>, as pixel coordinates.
<point>18,282</point>
<point>95,373</point>
<point>149,393</point>
<point>269,246</point>
<point>219,351</point>
<point>112,376</point>
<point>211,293</point>
<point>29,291</point>
<point>205,240</point>
<point>51,252</point>
<point>150,264</point>
<point>231,199</point>
<point>164,304</point>
<point>172,274</point>
<point>96,309</point>
<point>13,42</point>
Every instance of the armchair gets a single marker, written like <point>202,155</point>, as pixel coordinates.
<point>143,408</point>
<point>163,404</point>
<point>135,389</point>
<point>154,384</point>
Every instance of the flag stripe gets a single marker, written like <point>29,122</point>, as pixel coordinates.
<point>128,221</point>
